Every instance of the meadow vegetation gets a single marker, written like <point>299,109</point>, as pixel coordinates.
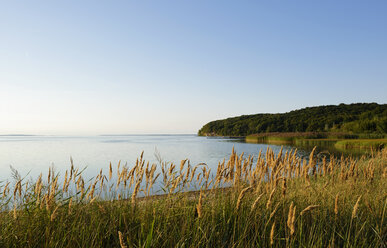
<point>268,201</point>
<point>362,143</point>
<point>339,141</point>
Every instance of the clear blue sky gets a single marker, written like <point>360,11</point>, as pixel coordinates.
<point>94,67</point>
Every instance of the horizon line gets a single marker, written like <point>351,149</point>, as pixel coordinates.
<point>124,134</point>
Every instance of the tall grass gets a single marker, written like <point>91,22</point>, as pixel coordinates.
<point>376,144</point>
<point>270,201</point>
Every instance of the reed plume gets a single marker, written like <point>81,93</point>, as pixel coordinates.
<point>110,171</point>
<point>241,195</point>
<point>268,203</point>
<point>284,187</point>
<point>5,190</point>
<point>273,212</point>
<point>199,206</point>
<point>337,204</point>
<point>356,207</point>
<point>254,206</point>
<point>291,218</point>
<point>121,238</point>
<point>70,203</point>
<point>309,208</point>
<point>272,233</point>
<point>53,215</point>
<point>136,189</point>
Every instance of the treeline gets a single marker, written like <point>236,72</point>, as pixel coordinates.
<point>369,118</point>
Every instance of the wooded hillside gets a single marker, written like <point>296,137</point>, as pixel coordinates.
<point>352,118</point>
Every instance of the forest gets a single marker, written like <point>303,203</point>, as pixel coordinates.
<point>357,118</point>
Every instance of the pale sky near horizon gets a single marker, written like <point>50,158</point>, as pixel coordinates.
<point>127,67</point>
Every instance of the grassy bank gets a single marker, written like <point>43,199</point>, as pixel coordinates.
<point>376,144</point>
<point>278,201</point>
<point>340,141</point>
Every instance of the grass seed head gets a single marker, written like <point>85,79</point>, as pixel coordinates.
<point>268,203</point>
<point>54,213</point>
<point>122,242</point>
<point>337,204</point>
<point>272,234</point>
<point>309,208</point>
<point>241,195</point>
<point>199,206</point>
<point>356,207</point>
<point>254,206</point>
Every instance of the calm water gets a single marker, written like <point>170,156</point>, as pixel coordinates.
<point>31,155</point>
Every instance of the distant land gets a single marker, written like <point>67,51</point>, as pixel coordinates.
<point>17,135</point>
<point>357,118</point>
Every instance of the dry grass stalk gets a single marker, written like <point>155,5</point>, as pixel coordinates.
<point>268,203</point>
<point>37,185</point>
<point>292,229</point>
<point>384,172</point>
<point>6,188</point>
<point>122,242</point>
<point>17,189</point>
<point>110,171</point>
<point>337,204</point>
<point>356,207</point>
<point>309,208</point>
<point>254,206</point>
<point>182,163</point>
<point>65,182</point>
<point>199,205</point>
<point>368,206</point>
<point>53,215</point>
<point>326,185</point>
<point>272,234</point>
<point>70,202</point>
<point>311,158</point>
<point>136,189</point>
<point>14,212</point>
<point>332,243</point>
<point>284,187</point>
<point>241,195</point>
<point>291,218</point>
<point>273,212</point>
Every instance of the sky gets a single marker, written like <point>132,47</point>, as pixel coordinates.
<point>128,67</point>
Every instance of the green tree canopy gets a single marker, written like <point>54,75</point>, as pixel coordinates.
<point>352,118</point>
